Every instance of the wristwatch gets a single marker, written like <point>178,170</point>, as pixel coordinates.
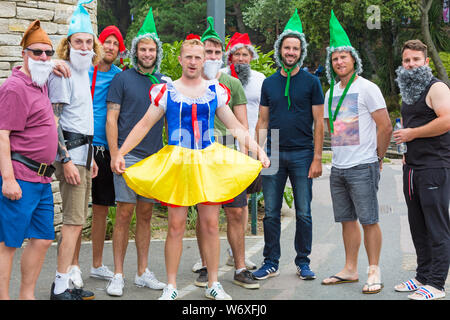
<point>65,160</point>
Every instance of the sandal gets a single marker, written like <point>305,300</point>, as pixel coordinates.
<point>339,281</point>
<point>370,285</point>
<point>408,286</point>
<point>426,293</point>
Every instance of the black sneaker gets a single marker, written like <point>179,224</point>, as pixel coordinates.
<point>246,280</point>
<point>66,295</point>
<point>84,294</point>
<point>202,279</point>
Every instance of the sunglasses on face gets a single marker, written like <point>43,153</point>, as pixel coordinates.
<point>38,52</point>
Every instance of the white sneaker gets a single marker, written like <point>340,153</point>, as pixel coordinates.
<point>169,293</point>
<point>216,292</point>
<point>102,272</point>
<point>148,279</point>
<point>250,265</point>
<point>75,276</point>
<point>115,286</point>
<point>198,265</point>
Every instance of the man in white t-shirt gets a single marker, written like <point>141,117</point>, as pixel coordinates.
<point>239,53</point>
<point>360,129</point>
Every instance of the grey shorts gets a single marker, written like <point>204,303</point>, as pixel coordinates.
<point>123,192</point>
<point>354,193</point>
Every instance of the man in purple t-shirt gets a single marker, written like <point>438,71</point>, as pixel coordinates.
<point>28,144</point>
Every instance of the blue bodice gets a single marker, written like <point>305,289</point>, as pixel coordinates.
<point>191,121</point>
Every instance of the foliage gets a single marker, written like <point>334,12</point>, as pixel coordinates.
<point>445,57</point>
<point>170,65</point>
<point>268,17</point>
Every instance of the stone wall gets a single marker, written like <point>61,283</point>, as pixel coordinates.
<point>15,16</point>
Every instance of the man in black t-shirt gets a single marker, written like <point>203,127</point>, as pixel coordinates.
<point>128,100</point>
<point>291,102</point>
<point>426,173</point>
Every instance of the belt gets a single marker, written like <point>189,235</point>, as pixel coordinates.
<point>74,140</point>
<point>42,169</point>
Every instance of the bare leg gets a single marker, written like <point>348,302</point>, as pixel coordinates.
<point>209,215</point>
<point>351,234</point>
<point>174,242</point>
<point>33,257</point>
<point>372,243</point>
<point>69,239</point>
<point>6,261</point>
<point>98,233</point>
<point>236,234</point>
<point>143,234</point>
<point>124,214</point>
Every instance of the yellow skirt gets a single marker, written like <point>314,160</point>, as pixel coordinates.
<point>185,177</point>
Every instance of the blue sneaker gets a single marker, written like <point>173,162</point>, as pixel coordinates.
<point>305,273</point>
<point>266,271</point>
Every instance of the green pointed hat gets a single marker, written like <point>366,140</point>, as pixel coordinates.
<point>339,41</point>
<point>147,31</point>
<point>292,28</point>
<point>210,33</point>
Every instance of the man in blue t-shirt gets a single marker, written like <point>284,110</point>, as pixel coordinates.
<point>128,100</point>
<point>291,102</point>
<point>103,196</point>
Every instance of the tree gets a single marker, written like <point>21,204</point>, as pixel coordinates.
<point>425,6</point>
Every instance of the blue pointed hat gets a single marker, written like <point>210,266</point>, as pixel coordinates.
<point>80,21</point>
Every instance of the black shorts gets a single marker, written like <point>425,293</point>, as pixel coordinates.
<point>103,185</point>
<point>239,201</point>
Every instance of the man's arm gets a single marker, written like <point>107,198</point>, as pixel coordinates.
<point>10,187</point>
<point>71,173</point>
<point>240,112</point>
<point>135,136</point>
<point>239,132</point>
<point>112,135</point>
<point>262,125</point>
<point>315,170</point>
<point>438,99</point>
<point>384,131</point>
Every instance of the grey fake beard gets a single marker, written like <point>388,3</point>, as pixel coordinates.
<point>413,82</point>
<point>211,68</point>
<point>243,72</point>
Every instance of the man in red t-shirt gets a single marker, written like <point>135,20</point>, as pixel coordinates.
<point>28,144</point>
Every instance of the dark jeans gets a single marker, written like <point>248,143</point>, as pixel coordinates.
<point>295,165</point>
<point>427,195</point>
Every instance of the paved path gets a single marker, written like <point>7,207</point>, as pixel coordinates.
<point>327,258</point>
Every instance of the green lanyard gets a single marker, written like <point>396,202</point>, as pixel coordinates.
<point>288,83</point>
<point>331,116</point>
<point>151,76</point>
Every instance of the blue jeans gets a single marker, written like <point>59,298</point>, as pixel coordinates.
<point>295,165</point>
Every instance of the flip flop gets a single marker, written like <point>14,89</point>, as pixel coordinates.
<point>339,280</point>
<point>371,285</point>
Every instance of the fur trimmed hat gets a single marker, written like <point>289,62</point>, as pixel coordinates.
<point>293,28</point>
<point>238,41</point>
<point>339,41</point>
<point>147,31</point>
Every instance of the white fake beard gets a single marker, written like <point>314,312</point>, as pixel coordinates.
<point>81,60</point>
<point>40,71</point>
<point>211,68</point>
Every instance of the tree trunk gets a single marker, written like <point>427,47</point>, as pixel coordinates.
<point>239,18</point>
<point>122,12</point>
<point>424,8</point>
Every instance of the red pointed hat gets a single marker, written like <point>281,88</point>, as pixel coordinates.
<point>237,41</point>
<point>112,30</point>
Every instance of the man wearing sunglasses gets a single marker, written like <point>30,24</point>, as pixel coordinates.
<point>28,144</point>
